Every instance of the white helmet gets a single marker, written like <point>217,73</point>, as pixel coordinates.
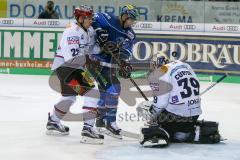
<point>159,60</point>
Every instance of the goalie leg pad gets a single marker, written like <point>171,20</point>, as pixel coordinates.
<point>152,135</point>
<point>209,133</point>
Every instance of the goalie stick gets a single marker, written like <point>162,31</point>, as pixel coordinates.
<point>214,84</point>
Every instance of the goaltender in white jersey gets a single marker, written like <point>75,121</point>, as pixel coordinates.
<point>176,106</point>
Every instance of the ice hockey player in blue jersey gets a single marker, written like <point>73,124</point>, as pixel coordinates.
<point>117,29</point>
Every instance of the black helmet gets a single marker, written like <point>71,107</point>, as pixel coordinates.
<point>130,10</point>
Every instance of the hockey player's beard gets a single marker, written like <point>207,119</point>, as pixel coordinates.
<point>122,22</point>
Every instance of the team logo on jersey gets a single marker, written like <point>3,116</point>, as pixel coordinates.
<point>120,40</point>
<point>130,34</point>
<point>127,43</point>
<point>163,69</point>
<point>73,40</point>
<point>194,101</point>
<point>175,99</point>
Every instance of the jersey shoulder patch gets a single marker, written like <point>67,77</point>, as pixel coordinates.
<point>163,69</point>
<point>69,25</point>
<point>108,16</point>
<point>102,19</point>
<point>131,34</point>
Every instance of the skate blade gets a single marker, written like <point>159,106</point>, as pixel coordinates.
<point>105,131</point>
<point>88,140</point>
<point>56,133</point>
<point>160,144</point>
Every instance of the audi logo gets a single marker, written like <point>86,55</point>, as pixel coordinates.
<point>53,23</point>
<point>189,27</point>
<point>7,21</point>
<point>232,28</point>
<point>145,25</point>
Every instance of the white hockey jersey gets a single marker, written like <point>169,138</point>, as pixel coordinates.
<point>73,47</point>
<point>176,88</point>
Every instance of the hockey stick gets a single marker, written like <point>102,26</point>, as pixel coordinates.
<point>108,48</point>
<point>219,80</point>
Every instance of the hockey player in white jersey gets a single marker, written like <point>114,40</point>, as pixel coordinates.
<point>173,113</point>
<point>72,55</point>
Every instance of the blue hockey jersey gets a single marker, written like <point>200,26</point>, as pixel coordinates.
<point>116,33</point>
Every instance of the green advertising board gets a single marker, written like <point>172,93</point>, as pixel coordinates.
<point>31,51</point>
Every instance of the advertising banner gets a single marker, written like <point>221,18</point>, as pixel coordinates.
<point>152,10</point>
<point>31,50</point>
<point>205,53</point>
<point>27,48</point>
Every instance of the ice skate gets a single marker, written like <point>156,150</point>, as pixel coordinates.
<point>90,135</point>
<point>56,128</point>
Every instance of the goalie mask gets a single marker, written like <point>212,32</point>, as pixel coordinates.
<point>157,62</point>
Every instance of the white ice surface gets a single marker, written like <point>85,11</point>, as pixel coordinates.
<point>25,101</point>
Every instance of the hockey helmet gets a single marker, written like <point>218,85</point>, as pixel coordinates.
<point>158,61</point>
<point>83,11</point>
<point>130,10</point>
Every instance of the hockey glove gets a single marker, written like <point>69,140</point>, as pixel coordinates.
<point>102,36</point>
<point>91,61</point>
<point>125,69</point>
<point>110,48</point>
